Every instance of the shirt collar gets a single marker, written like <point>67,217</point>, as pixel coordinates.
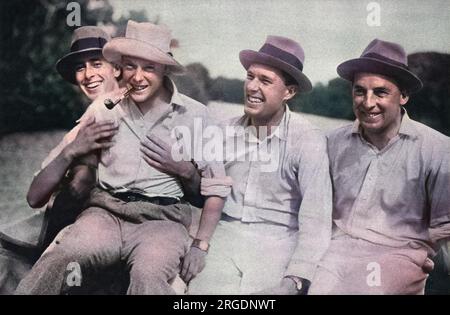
<point>281,130</point>
<point>406,126</point>
<point>176,96</point>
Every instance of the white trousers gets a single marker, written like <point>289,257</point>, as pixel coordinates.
<point>245,258</point>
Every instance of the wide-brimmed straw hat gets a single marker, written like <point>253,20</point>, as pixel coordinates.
<point>87,42</point>
<point>385,58</point>
<point>281,53</point>
<point>146,41</point>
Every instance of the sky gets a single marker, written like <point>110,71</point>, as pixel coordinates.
<point>213,32</point>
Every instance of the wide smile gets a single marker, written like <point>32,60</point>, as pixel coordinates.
<point>371,117</point>
<point>254,100</point>
<point>139,88</point>
<point>92,85</point>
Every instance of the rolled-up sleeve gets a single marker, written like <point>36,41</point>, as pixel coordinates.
<point>214,181</point>
<point>315,213</point>
<point>438,189</point>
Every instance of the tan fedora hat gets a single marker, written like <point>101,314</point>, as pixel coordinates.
<point>385,58</point>
<point>87,42</point>
<point>146,41</point>
<point>281,53</point>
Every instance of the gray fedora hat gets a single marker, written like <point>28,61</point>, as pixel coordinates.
<point>87,42</point>
<point>281,53</point>
<point>385,58</point>
<point>146,41</point>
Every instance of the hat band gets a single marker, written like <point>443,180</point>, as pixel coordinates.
<point>88,42</point>
<point>385,59</point>
<point>282,55</point>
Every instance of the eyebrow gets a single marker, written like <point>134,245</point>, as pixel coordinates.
<point>124,60</point>
<point>381,89</point>
<point>359,87</point>
<point>264,77</point>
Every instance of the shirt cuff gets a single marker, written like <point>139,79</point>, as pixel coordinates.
<point>220,187</point>
<point>302,269</point>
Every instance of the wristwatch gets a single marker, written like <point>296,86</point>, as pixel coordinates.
<point>298,282</point>
<point>200,244</point>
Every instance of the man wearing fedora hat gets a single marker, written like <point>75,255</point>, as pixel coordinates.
<point>136,214</point>
<point>84,66</point>
<point>276,223</point>
<point>391,179</point>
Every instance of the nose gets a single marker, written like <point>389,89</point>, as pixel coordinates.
<point>138,77</point>
<point>252,85</point>
<point>89,72</point>
<point>370,100</point>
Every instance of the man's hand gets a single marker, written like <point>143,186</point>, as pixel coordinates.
<point>287,287</point>
<point>91,137</point>
<point>193,263</point>
<point>158,154</point>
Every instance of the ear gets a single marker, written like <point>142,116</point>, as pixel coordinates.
<point>404,97</point>
<point>117,71</point>
<point>291,90</point>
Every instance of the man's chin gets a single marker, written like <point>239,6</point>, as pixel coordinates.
<point>92,95</point>
<point>251,109</point>
<point>373,128</point>
<point>139,98</point>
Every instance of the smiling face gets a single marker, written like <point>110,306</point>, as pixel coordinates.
<point>146,77</point>
<point>96,76</point>
<point>265,94</point>
<point>377,102</point>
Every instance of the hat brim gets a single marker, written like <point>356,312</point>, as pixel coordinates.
<point>405,78</point>
<point>121,46</point>
<point>249,57</point>
<point>66,65</point>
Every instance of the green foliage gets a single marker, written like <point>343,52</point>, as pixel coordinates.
<point>227,90</point>
<point>333,100</point>
<point>432,104</point>
<point>34,35</point>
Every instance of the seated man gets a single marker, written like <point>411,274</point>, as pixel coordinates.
<point>391,179</point>
<point>136,214</point>
<point>85,67</point>
<point>276,223</point>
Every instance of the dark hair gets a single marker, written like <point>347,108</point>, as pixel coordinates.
<point>118,67</point>
<point>396,80</point>
<point>288,79</point>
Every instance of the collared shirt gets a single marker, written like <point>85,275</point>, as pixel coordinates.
<point>122,167</point>
<point>396,196</point>
<point>283,180</point>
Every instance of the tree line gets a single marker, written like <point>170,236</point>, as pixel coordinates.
<point>34,35</point>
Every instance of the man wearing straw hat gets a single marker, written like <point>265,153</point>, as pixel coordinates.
<point>276,223</point>
<point>391,179</point>
<point>85,67</point>
<point>137,214</point>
